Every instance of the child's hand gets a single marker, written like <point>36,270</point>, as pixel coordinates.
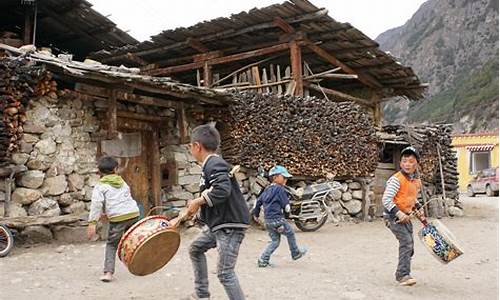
<point>402,217</point>
<point>194,205</point>
<point>104,218</point>
<point>174,223</point>
<point>91,231</point>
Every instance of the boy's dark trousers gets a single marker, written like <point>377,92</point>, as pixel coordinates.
<point>404,234</point>
<point>228,243</point>
<point>115,233</point>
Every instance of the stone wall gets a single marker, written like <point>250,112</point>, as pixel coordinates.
<point>60,156</point>
<point>59,149</point>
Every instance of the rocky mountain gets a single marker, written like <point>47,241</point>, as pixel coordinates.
<point>453,46</point>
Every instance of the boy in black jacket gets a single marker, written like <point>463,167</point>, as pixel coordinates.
<point>224,212</point>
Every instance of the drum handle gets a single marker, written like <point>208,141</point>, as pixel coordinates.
<point>155,208</point>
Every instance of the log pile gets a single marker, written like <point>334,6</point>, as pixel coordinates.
<point>310,136</point>
<point>428,140</point>
<point>19,82</point>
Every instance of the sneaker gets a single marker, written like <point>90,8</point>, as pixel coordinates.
<point>262,264</point>
<point>193,296</point>
<point>106,277</point>
<point>407,281</point>
<point>302,252</point>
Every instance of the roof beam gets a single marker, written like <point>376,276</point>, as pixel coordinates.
<point>125,96</point>
<point>338,94</point>
<point>363,77</point>
<point>219,60</point>
<point>283,25</point>
<point>197,45</point>
<point>134,58</point>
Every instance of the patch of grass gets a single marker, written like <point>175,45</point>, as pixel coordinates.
<point>466,93</point>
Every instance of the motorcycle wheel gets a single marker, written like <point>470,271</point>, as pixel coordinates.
<point>6,241</point>
<point>309,226</point>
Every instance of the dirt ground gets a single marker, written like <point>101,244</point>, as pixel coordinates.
<point>350,261</point>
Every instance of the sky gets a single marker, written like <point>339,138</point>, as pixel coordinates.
<point>143,18</point>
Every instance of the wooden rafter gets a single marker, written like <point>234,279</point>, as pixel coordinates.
<point>125,96</point>
<point>283,25</point>
<point>220,60</point>
<point>134,58</point>
<point>365,78</point>
<point>338,94</point>
<point>197,45</point>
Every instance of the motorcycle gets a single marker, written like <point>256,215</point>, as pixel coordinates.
<point>308,208</point>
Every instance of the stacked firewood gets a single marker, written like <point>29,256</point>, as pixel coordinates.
<point>433,142</point>
<point>46,86</point>
<point>310,136</point>
<point>18,83</point>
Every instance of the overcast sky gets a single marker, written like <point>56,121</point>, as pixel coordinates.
<point>143,18</point>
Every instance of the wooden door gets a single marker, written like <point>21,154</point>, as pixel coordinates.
<point>383,172</point>
<point>137,172</point>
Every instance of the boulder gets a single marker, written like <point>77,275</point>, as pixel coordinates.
<point>56,185</point>
<point>44,207</point>
<point>20,158</point>
<point>75,208</point>
<point>358,194</point>
<point>46,146</point>
<point>31,179</point>
<point>36,164</point>
<point>346,196</point>
<point>195,170</point>
<point>70,234</point>
<point>25,196</point>
<point>353,207</point>
<point>36,234</point>
<point>355,186</point>
<point>188,179</point>
<point>75,182</point>
<point>65,199</point>
<point>192,188</point>
<point>16,210</point>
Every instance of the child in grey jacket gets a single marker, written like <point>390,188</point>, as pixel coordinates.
<point>111,198</point>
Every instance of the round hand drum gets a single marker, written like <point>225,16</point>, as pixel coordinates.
<point>148,245</point>
<point>440,242</point>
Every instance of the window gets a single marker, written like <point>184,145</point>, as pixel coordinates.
<point>479,161</point>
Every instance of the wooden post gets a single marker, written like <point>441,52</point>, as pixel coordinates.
<point>377,110</point>
<point>182,123</point>
<point>443,188</point>
<point>155,168</point>
<point>366,202</point>
<point>256,77</point>
<point>296,62</point>
<point>112,115</point>
<point>28,26</point>
<point>207,74</point>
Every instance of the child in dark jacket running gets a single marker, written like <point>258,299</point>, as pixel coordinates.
<point>275,201</point>
<point>224,212</point>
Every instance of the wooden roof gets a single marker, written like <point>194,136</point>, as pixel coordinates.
<point>259,27</point>
<point>132,86</point>
<point>68,25</point>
